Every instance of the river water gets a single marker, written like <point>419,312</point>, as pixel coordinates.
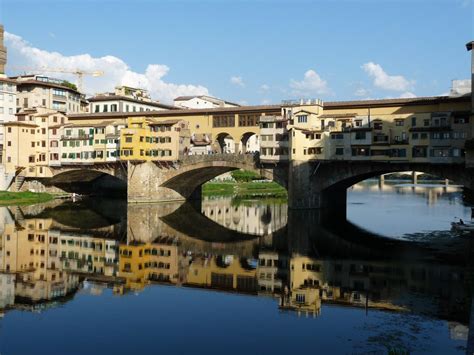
<point>232,276</point>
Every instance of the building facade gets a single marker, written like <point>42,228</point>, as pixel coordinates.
<point>202,102</point>
<point>37,91</point>
<point>125,99</point>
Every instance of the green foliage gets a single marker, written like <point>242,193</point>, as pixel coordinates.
<point>243,190</point>
<point>218,189</point>
<point>69,85</point>
<point>23,198</point>
<point>244,175</point>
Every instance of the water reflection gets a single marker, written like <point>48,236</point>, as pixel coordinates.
<point>254,217</point>
<point>397,209</point>
<point>306,263</point>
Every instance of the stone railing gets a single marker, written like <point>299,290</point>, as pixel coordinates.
<point>250,159</point>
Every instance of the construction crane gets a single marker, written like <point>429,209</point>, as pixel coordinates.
<point>78,72</point>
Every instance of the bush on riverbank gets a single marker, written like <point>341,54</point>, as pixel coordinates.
<point>23,198</point>
<point>244,175</point>
<point>244,189</point>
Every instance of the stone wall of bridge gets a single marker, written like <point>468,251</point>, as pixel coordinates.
<point>324,184</point>
<point>164,182</point>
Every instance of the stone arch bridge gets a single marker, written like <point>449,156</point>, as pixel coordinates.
<point>324,184</point>
<point>313,184</point>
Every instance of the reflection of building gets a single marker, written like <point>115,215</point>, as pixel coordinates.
<point>255,219</point>
<point>303,299</point>
<point>81,253</point>
<point>223,272</point>
<point>7,290</point>
<point>142,263</point>
<point>272,271</point>
<point>41,262</point>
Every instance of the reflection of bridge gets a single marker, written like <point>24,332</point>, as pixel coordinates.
<point>342,264</point>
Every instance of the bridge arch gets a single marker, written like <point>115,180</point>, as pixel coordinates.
<point>249,142</point>
<point>324,184</point>
<point>225,143</point>
<point>154,182</point>
<point>107,179</point>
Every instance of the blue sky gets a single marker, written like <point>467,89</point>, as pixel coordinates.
<point>249,51</point>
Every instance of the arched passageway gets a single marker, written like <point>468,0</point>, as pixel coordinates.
<point>90,182</point>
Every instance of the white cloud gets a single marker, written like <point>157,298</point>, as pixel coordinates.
<point>384,81</point>
<point>264,87</point>
<point>407,95</point>
<point>116,71</point>
<point>361,92</point>
<point>311,84</point>
<point>237,80</point>
<point>265,102</point>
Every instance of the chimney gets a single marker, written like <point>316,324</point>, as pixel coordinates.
<point>3,53</point>
<point>469,46</point>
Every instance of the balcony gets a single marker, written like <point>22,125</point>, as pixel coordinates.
<point>77,137</point>
<point>380,139</point>
<point>399,141</point>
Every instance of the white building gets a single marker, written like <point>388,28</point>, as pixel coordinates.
<point>202,101</point>
<point>7,102</point>
<point>125,99</point>
<point>34,91</point>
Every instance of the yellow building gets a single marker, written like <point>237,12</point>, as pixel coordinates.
<point>153,140</point>
<point>32,253</point>
<point>31,143</point>
<point>426,129</point>
<point>223,272</point>
<point>140,264</point>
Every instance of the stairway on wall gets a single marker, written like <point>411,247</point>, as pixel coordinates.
<point>18,183</point>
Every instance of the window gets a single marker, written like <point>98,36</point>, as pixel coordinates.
<point>426,122</point>
<point>419,152</point>
<point>414,135</point>
<point>302,119</point>
<point>339,151</point>
<point>248,120</point>
<point>106,108</point>
<point>461,120</point>
<point>300,298</point>
<point>360,135</point>
<point>413,121</point>
<point>399,122</point>
<point>360,152</point>
<point>223,121</point>
<point>378,125</point>
<point>316,150</point>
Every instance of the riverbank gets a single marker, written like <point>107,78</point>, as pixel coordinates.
<point>244,189</point>
<point>23,198</point>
